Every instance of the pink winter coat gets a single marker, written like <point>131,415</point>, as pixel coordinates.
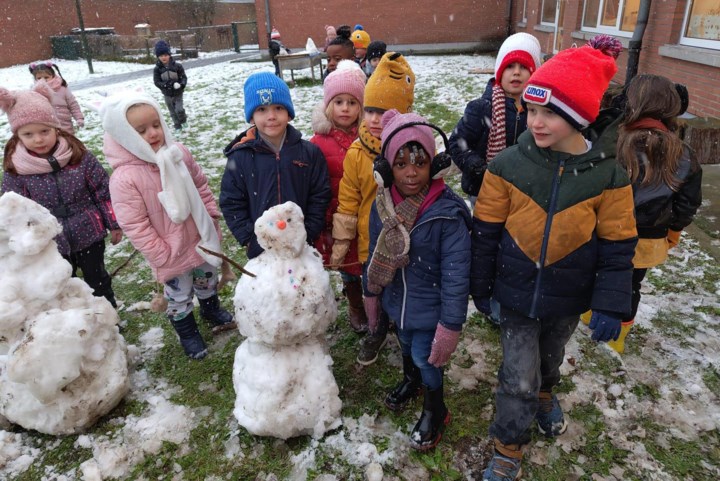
<point>66,108</point>
<point>134,185</point>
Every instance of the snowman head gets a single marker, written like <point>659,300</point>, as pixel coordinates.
<point>27,226</point>
<point>281,230</point>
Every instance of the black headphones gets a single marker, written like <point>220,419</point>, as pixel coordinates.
<point>439,165</point>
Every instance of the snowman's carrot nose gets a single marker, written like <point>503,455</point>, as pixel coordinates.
<point>281,224</point>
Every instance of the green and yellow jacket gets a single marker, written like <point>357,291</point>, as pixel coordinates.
<point>554,233</point>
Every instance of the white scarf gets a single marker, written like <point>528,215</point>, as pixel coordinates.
<point>179,196</point>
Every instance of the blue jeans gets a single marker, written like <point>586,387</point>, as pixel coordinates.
<point>533,350</point>
<point>418,344</point>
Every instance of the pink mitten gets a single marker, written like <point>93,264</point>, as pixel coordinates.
<point>443,345</point>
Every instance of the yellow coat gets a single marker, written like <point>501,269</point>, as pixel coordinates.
<point>357,192</point>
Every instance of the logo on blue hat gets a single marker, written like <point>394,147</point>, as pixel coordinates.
<point>537,95</point>
<point>266,96</point>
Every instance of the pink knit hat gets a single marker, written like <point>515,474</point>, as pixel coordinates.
<point>393,120</point>
<point>347,78</point>
<point>25,107</point>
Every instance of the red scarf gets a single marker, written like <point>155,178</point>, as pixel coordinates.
<point>647,123</point>
<point>497,138</point>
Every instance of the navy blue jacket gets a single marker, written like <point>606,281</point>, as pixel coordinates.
<point>256,178</point>
<point>468,142</point>
<point>434,287</point>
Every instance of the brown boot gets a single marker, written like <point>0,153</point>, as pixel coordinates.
<point>356,310</point>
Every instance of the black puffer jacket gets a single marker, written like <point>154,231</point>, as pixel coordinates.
<point>658,208</point>
<point>165,77</point>
<point>468,142</point>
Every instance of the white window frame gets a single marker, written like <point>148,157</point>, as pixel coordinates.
<point>552,24</point>
<point>695,42</point>
<point>615,31</point>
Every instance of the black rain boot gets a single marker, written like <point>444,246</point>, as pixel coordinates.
<point>219,318</point>
<point>408,389</point>
<point>435,416</point>
<point>190,337</point>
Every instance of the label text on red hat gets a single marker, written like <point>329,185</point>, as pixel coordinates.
<point>537,95</point>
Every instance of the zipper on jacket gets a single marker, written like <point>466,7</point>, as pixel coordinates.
<point>402,309</point>
<point>58,183</point>
<point>277,160</point>
<point>546,236</point>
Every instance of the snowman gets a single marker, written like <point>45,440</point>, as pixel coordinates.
<point>63,363</point>
<point>282,372</point>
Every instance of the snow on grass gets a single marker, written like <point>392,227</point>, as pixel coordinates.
<point>652,413</point>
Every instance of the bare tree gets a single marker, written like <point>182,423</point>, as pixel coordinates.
<point>201,12</point>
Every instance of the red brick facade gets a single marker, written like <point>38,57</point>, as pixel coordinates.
<point>395,23</point>
<point>662,34</point>
<point>26,26</point>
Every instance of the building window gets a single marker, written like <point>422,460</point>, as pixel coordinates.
<point>548,12</point>
<point>701,27</point>
<point>524,11</point>
<point>617,17</point>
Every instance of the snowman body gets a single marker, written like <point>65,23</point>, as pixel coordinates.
<point>63,363</point>
<point>282,372</point>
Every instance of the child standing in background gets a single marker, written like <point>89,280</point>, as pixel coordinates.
<point>335,122</point>
<point>422,286</point>
<point>53,168</point>
<point>270,164</point>
<point>375,52</point>
<point>665,175</point>
<point>165,206</point>
<point>360,39</point>
<point>63,101</point>
<point>340,48</point>
<point>169,77</point>
<point>553,234</point>
<point>475,142</point>
<point>330,34</point>
<point>275,48</point>
<point>392,86</point>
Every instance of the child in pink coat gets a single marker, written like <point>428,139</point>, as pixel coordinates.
<point>164,204</point>
<point>63,101</point>
<point>336,121</point>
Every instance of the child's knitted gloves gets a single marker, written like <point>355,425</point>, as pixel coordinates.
<point>443,345</point>
<point>344,231</point>
<point>605,326</point>
<point>176,85</point>
<point>673,238</point>
<point>372,311</point>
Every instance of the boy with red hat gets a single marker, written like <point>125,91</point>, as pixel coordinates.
<point>547,247</point>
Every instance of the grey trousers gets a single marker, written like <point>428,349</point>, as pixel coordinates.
<point>177,110</point>
<point>533,350</point>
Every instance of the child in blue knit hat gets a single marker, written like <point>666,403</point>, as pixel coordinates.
<point>270,163</point>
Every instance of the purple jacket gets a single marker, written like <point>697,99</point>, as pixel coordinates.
<point>78,195</point>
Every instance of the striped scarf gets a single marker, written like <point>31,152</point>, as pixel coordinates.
<point>393,244</point>
<point>497,139</point>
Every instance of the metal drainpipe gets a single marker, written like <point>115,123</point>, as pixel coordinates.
<point>267,20</point>
<point>509,18</point>
<point>636,40</point>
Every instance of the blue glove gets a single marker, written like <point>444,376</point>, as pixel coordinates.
<point>482,304</point>
<point>605,326</point>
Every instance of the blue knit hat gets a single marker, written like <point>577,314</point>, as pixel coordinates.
<point>265,88</point>
<point>161,48</point>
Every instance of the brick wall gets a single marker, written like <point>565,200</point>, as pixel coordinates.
<point>26,26</point>
<point>664,26</point>
<point>396,23</point>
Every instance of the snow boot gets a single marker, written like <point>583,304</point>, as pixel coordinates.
<point>619,345</point>
<point>430,427</point>
<point>190,337</point>
<point>370,346</point>
<point>408,389</point>
<point>219,318</point>
<point>505,464</point>
<point>356,309</point>
<point>550,419</point>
